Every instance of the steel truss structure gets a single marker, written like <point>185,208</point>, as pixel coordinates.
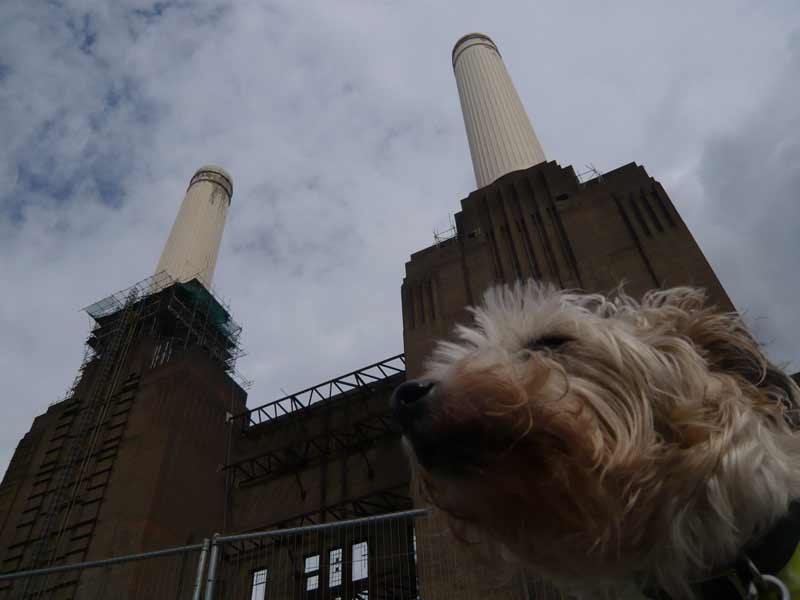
<point>377,502</point>
<point>341,437</point>
<point>385,372</point>
<point>357,438</point>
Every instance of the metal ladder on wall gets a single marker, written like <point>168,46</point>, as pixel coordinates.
<point>83,441</point>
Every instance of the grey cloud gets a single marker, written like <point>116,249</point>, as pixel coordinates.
<point>340,124</point>
<point>750,177</point>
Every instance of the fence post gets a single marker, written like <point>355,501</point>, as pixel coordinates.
<point>212,568</point>
<point>201,570</point>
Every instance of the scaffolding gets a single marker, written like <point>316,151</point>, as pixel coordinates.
<point>176,317</point>
<point>448,233</point>
<point>590,173</point>
<point>180,315</point>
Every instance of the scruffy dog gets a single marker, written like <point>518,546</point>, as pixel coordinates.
<point>604,441</point>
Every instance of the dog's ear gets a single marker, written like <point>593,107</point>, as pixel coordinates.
<point>729,348</point>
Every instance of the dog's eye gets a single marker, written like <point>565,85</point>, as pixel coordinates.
<point>548,342</point>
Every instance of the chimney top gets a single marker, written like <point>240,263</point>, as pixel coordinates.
<point>216,175</point>
<point>500,135</point>
<point>472,39</point>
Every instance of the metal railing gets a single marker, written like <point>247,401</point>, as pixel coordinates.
<point>407,555</point>
<point>371,557</point>
<point>380,372</point>
<point>177,573</point>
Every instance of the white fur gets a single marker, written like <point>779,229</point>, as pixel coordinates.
<point>631,366</point>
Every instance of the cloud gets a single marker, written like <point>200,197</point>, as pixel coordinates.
<point>749,183</point>
<point>341,126</point>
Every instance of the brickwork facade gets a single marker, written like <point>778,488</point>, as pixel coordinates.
<point>178,456</point>
<point>543,223</point>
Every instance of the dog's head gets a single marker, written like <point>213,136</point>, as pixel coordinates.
<point>595,436</point>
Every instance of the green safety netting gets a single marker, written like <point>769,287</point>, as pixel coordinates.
<point>197,294</point>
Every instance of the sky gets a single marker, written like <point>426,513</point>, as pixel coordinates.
<point>341,125</point>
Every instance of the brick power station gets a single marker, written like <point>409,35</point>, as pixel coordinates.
<point>155,446</point>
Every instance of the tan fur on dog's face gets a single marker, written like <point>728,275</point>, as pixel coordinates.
<point>603,439</point>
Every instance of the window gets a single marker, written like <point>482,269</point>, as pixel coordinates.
<point>311,571</point>
<point>259,589</point>
<point>335,567</point>
<point>360,561</point>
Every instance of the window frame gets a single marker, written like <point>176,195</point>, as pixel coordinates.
<point>253,583</point>
<point>308,574</point>
<point>362,562</point>
<point>340,563</point>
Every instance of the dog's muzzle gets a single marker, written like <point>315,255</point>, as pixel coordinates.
<point>436,442</point>
<point>409,401</point>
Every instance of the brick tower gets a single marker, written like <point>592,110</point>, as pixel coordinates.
<point>535,219</point>
<point>108,470</point>
<point>530,218</point>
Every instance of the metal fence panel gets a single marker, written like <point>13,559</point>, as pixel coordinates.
<point>355,560</point>
<point>162,575</point>
<point>404,556</point>
<point>408,555</point>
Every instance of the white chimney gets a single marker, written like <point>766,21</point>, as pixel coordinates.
<point>500,135</point>
<point>193,244</point>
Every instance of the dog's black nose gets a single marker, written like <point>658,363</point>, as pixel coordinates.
<point>410,392</point>
<point>406,400</point>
